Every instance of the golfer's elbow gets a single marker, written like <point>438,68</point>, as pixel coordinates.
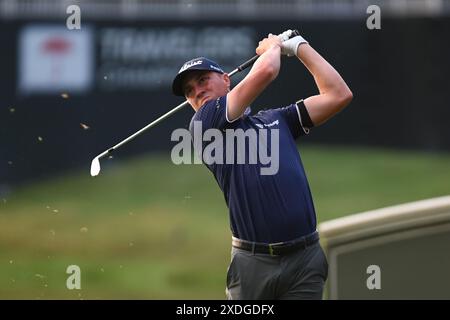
<point>343,96</point>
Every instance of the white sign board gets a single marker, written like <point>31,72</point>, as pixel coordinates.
<point>53,59</point>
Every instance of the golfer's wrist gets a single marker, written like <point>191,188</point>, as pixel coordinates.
<point>301,49</point>
<point>276,47</point>
<point>291,47</point>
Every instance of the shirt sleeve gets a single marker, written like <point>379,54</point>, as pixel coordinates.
<point>297,119</point>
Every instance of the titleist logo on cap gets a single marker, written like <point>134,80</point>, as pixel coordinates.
<point>190,64</point>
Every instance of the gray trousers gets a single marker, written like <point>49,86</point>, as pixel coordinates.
<point>298,275</point>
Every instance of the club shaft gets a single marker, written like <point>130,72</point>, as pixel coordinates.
<point>242,67</point>
<point>153,123</point>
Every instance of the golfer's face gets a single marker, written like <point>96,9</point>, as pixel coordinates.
<point>202,86</point>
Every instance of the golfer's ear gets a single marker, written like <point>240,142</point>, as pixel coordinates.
<point>227,79</point>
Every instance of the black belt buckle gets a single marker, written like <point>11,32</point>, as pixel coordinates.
<point>279,250</point>
<point>271,250</point>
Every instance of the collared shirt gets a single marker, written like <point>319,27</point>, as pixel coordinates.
<point>267,208</point>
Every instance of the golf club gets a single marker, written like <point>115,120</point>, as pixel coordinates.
<point>95,165</point>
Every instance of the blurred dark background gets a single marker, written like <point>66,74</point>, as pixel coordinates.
<point>68,95</point>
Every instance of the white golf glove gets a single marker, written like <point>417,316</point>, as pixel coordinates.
<point>289,46</point>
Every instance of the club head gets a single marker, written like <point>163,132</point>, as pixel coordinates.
<point>95,167</point>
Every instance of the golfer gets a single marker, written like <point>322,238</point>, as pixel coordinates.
<point>275,249</point>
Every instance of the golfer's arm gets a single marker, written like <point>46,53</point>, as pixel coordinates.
<point>264,71</point>
<point>334,94</point>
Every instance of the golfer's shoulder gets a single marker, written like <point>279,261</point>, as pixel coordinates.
<point>269,113</point>
<point>211,112</point>
<point>285,114</point>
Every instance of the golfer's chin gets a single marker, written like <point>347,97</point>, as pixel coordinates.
<point>205,100</point>
<point>202,102</point>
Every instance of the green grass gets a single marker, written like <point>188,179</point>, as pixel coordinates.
<point>148,229</point>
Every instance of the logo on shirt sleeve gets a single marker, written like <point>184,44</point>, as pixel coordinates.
<point>274,123</point>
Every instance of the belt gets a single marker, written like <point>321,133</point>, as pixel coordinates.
<point>279,248</point>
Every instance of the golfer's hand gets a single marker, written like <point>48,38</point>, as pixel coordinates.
<point>289,47</point>
<point>272,41</point>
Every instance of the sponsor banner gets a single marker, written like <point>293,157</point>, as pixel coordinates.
<point>54,59</point>
<point>149,58</point>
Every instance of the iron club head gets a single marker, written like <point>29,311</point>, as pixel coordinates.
<point>95,167</point>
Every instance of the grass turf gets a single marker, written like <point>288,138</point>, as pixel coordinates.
<point>148,229</point>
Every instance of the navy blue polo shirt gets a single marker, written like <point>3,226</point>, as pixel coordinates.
<point>265,208</point>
